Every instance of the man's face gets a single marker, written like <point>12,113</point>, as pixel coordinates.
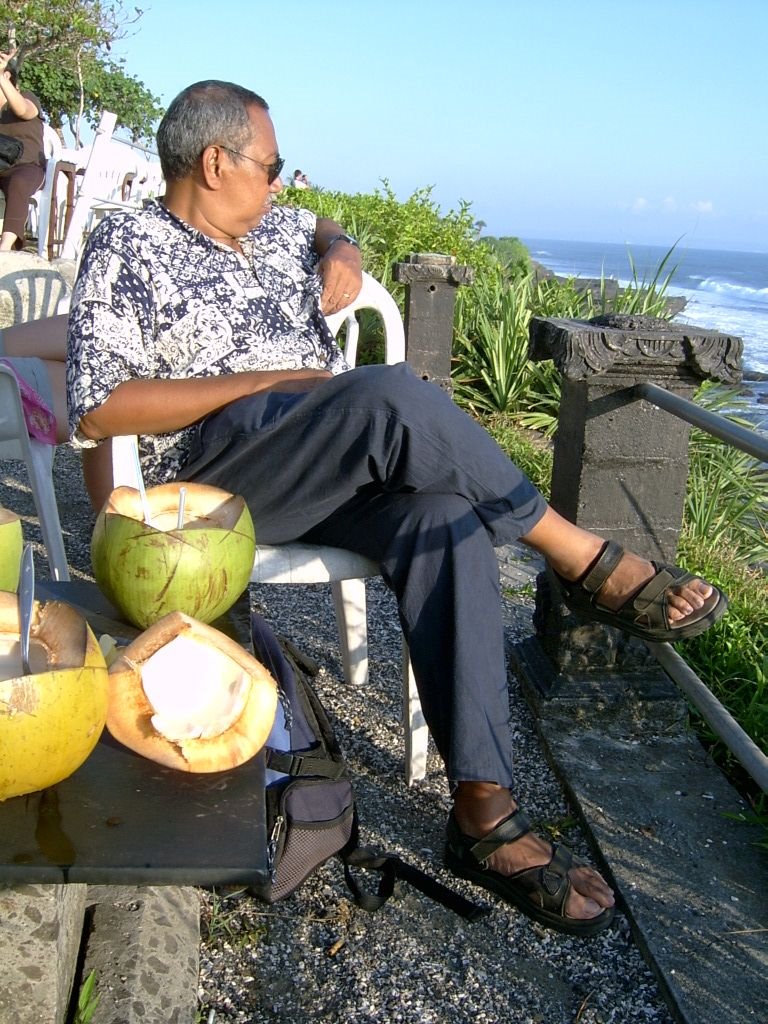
<point>249,192</point>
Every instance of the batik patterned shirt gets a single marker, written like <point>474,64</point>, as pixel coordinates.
<point>155,298</point>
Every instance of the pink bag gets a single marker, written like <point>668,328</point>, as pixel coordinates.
<point>41,423</point>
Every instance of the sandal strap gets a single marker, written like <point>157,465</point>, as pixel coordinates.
<point>548,885</point>
<point>554,876</point>
<point>509,830</point>
<point>605,563</point>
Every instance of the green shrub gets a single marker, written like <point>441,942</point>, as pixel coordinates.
<point>389,230</point>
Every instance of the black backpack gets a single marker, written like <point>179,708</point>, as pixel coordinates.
<point>311,813</point>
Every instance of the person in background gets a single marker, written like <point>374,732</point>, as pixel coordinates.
<point>20,118</point>
<point>299,179</point>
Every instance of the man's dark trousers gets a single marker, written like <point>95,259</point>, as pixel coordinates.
<point>379,462</point>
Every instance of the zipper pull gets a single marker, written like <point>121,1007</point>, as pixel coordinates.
<point>274,838</point>
<point>287,709</point>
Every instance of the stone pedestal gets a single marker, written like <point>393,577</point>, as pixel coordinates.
<point>620,463</point>
<point>431,280</point>
<point>40,931</point>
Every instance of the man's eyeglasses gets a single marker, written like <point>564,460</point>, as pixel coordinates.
<point>273,169</point>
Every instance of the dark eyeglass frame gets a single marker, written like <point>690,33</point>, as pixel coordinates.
<point>273,169</point>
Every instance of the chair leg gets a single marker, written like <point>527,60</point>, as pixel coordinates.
<point>349,601</point>
<point>40,469</point>
<point>416,732</point>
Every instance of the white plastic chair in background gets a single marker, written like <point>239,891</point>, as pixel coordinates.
<point>40,203</point>
<point>345,570</point>
<point>15,443</point>
<point>101,187</point>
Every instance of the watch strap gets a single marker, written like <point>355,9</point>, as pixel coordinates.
<point>343,238</point>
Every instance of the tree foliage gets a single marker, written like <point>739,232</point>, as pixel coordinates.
<point>511,252</point>
<point>103,85</point>
<point>63,53</point>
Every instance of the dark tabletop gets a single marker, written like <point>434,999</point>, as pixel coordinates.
<point>122,819</point>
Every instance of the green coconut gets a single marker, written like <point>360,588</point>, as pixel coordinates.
<point>149,569</point>
<point>11,543</point>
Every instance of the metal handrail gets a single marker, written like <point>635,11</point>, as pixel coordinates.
<point>717,717</point>
<point>719,426</point>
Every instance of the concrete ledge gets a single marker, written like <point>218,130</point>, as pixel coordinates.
<point>690,880</point>
<point>144,945</point>
<point>40,931</point>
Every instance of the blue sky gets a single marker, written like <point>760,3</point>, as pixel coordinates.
<point>596,121</point>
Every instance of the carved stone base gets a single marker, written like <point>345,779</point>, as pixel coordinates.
<point>577,647</point>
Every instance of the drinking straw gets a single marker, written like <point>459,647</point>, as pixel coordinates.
<point>182,499</point>
<point>142,489</point>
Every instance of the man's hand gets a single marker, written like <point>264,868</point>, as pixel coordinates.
<point>342,274</point>
<point>340,266</point>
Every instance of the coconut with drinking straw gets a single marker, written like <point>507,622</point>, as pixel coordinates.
<point>52,717</point>
<point>177,547</point>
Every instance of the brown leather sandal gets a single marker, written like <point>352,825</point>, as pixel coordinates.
<point>644,614</point>
<point>539,892</point>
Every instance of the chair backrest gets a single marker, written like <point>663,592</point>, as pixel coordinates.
<point>101,185</point>
<point>52,144</point>
<point>373,295</point>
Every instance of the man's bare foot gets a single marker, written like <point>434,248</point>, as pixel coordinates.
<point>480,806</point>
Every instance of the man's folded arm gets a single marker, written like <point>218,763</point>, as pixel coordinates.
<point>158,406</point>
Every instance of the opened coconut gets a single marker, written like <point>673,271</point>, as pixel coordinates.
<point>11,543</point>
<point>51,720</point>
<point>187,696</point>
<point>148,565</point>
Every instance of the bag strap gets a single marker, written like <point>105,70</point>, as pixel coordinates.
<point>391,868</point>
<point>298,765</point>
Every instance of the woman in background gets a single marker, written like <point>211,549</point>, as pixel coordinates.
<point>20,118</point>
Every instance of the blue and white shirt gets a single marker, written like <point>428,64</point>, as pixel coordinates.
<point>156,298</point>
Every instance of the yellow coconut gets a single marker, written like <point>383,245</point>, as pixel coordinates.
<point>11,543</point>
<point>51,720</point>
<point>187,696</point>
<point>148,569</point>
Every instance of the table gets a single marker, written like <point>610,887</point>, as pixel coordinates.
<point>124,820</point>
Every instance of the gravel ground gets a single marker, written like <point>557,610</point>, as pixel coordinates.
<point>316,957</point>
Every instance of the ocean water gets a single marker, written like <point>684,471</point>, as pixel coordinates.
<point>724,291</point>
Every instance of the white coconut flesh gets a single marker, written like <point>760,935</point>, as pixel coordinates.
<point>10,657</point>
<point>204,508</point>
<point>196,691</point>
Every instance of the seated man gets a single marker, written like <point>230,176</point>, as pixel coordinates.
<point>196,323</point>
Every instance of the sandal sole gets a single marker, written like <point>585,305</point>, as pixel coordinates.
<point>653,636</point>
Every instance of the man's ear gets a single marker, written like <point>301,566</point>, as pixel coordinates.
<point>210,166</point>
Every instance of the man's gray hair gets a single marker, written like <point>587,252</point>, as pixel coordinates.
<point>202,115</point>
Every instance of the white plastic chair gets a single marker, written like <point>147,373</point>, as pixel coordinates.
<point>40,202</point>
<point>15,443</point>
<point>101,186</point>
<point>344,570</point>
